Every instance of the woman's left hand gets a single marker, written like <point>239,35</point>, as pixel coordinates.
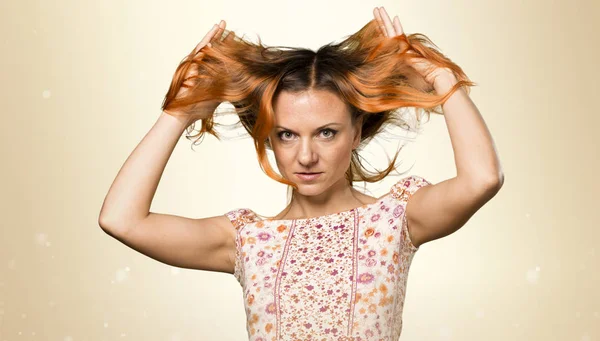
<point>437,77</point>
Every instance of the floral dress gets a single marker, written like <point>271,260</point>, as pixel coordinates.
<point>340,276</point>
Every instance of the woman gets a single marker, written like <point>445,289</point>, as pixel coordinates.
<point>334,263</point>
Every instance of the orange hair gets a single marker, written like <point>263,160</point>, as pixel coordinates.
<point>370,72</point>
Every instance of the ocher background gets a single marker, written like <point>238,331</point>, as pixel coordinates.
<point>82,82</point>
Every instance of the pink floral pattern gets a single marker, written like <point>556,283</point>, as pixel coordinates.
<point>340,276</point>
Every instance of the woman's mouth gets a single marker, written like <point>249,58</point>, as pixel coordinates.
<point>308,176</point>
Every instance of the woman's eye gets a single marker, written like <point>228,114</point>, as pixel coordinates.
<point>331,132</point>
<point>282,133</point>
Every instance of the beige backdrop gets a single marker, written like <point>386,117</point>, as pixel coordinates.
<point>82,82</point>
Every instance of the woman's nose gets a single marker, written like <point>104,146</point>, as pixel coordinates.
<point>307,155</point>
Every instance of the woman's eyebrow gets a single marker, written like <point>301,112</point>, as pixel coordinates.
<point>319,128</point>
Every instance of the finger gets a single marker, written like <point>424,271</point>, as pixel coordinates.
<point>220,30</point>
<point>206,38</point>
<point>398,26</point>
<point>209,35</point>
<point>380,24</point>
<point>388,23</point>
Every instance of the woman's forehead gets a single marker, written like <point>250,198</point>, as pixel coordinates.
<point>311,106</point>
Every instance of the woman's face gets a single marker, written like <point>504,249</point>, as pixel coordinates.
<point>313,133</point>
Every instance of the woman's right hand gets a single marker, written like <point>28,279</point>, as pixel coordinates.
<point>204,109</point>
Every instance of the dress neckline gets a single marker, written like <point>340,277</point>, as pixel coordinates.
<point>361,207</point>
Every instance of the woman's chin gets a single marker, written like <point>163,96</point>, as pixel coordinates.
<point>309,189</point>
<point>312,189</point>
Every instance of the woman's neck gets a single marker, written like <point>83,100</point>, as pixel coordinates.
<point>333,201</point>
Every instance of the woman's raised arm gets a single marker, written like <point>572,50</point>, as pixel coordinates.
<point>203,244</point>
<point>206,243</point>
<point>130,195</point>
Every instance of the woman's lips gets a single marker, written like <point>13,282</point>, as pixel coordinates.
<point>308,176</point>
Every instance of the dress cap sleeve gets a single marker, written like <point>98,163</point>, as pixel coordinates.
<point>407,186</point>
<point>402,191</point>
<point>241,216</point>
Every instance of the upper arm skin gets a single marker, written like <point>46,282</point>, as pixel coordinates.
<point>202,244</point>
<point>437,210</point>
